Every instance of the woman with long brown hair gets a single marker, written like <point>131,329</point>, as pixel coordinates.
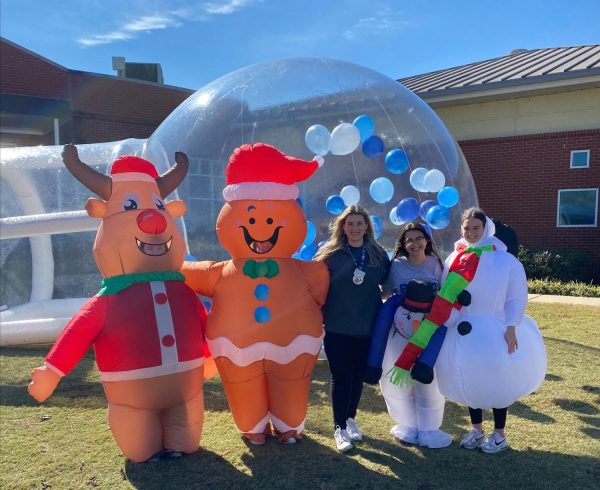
<point>357,267</point>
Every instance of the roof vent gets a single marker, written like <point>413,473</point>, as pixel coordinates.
<point>518,51</point>
<point>150,72</point>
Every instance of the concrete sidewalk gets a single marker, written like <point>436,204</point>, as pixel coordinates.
<point>567,300</point>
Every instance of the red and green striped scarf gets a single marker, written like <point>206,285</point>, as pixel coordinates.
<point>461,273</point>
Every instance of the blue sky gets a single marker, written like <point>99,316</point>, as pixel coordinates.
<point>199,41</point>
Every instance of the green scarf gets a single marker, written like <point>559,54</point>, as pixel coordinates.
<point>116,284</point>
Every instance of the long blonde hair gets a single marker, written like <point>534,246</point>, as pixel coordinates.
<point>338,240</point>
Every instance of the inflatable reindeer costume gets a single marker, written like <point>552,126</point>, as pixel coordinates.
<point>145,324</point>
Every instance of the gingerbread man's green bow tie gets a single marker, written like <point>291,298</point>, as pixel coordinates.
<point>268,268</point>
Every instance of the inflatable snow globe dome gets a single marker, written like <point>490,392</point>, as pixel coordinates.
<point>276,103</point>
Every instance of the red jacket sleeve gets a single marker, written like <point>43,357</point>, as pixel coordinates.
<point>78,335</point>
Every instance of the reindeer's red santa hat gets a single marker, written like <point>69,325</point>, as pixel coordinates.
<point>132,168</point>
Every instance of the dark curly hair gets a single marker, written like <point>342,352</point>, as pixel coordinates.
<point>400,249</point>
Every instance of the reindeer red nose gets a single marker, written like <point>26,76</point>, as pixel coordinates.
<point>151,221</point>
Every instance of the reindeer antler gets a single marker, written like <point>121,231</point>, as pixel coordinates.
<point>95,181</point>
<point>169,181</point>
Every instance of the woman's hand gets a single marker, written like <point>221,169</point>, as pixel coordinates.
<point>511,339</point>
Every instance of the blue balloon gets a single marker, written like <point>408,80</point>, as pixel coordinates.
<point>320,244</point>
<point>396,161</point>
<point>311,233</point>
<point>307,252</point>
<point>438,217</point>
<point>373,146</point>
<point>394,216</point>
<point>335,204</point>
<point>381,190</point>
<point>448,197</point>
<point>318,139</point>
<point>408,209</point>
<point>426,206</point>
<point>377,225</point>
<point>365,126</point>
<point>262,314</point>
<point>190,258</point>
<point>207,304</point>
<point>299,201</point>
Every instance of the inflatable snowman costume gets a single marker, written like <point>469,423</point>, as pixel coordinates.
<point>474,367</point>
<point>417,409</point>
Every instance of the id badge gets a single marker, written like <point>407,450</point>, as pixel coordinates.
<point>359,276</point>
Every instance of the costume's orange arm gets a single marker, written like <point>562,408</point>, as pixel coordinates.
<point>317,275</point>
<point>202,276</point>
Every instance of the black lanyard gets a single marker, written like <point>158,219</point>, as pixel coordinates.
<point>363,257</point>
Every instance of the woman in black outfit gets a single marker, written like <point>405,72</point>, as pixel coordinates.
<point>357,265</point>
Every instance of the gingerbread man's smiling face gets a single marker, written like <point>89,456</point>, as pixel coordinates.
<point>253,229</point>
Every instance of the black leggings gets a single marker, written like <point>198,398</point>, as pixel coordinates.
<point>347,358</point>
<point>499,416</point>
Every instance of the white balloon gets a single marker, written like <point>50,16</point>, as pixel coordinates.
<point>434,180</point>
<point>417,177</point>
<point>350,195</point>
<point>345,138</point>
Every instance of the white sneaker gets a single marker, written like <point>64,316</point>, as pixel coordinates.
<point>342,439</point>
<point>434,439</point>
<point>473,439</point>
<point>353,430</point>
<point>405,434</point>
<point>494,444</point>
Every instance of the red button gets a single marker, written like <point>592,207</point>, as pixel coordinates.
<point>168,340</point>
<point>160,298</point>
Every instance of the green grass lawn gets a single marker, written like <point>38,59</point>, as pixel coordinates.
<point>554,433</point>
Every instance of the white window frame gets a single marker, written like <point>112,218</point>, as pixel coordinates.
<point>580,151</point>
<point>558,225</point>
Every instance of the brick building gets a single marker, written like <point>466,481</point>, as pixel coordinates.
<point>529,126</point>
<point>42,103</point>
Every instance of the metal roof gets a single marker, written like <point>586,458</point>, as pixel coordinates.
<point>520,67</point>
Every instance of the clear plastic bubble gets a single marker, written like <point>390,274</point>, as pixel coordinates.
<point>272,102</point>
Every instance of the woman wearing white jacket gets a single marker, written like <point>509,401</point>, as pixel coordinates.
<point>493,354</point>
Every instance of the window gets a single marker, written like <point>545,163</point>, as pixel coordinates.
<point>577,207</point>
<point>580,158</point>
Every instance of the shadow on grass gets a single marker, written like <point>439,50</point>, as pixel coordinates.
<point>309,464</point>
<point>591,389</point>
<point>203,469</point>
<point>577,406</point>
<point>553,377</point>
